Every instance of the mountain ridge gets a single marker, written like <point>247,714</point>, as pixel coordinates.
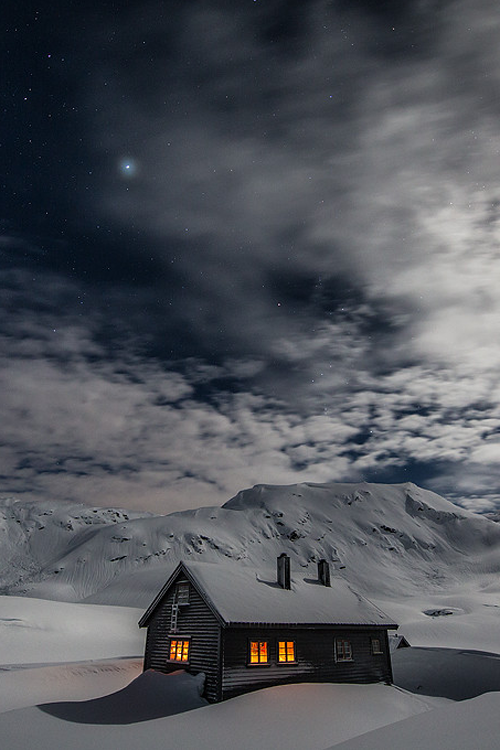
<point>399,539</point>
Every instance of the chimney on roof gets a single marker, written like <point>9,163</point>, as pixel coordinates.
<point>284,571</point>
<point>324,573</point>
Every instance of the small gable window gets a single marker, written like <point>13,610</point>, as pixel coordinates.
<point>376,646</point>
<point>286,651</point>
<point>259,652</point>
<point>343,650</point>
<point>182,593</point>
<point>179,650</point>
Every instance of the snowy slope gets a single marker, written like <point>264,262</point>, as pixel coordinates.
<point>39,631</point>
<point>469,725</point>
<point>295,717</point>
<point>34,536</point>
<point>392,541</point>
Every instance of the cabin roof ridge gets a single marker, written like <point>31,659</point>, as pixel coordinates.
<point>261,598</point>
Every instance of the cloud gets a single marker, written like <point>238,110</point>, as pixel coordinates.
<point>258,163</point>
<point>135,431</point>
<point>323,214</point>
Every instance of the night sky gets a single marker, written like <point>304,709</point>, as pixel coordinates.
<point>249,241</point>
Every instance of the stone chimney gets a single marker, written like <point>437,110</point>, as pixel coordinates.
<point>324,573</point>
<point>284,571</point>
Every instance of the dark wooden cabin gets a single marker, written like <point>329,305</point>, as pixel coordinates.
<point>247,631</point>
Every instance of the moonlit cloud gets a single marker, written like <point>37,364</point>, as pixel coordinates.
<point>312,266</point>
<point>132,432</point>
<point>401,193</point>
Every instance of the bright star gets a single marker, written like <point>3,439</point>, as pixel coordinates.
<point>128,167</point>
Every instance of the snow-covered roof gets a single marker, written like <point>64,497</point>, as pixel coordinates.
<point>396,640</point>
<point>240,595</point>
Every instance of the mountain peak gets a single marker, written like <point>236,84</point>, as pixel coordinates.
<point>393,539</point>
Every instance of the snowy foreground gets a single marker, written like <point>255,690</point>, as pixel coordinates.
<point>305,717</point>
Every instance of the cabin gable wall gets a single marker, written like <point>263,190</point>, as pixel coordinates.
<point>196,622</point>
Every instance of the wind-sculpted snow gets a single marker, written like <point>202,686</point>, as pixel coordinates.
<point>388,541</point>
<point>35,536</point>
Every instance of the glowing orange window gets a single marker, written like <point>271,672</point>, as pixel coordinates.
<point>286,651</point>
<point>259,653</point>
<point>179,650</point>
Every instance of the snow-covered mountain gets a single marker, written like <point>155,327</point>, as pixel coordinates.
<point>389,541</point>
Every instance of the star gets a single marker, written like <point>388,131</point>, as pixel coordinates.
<point>128,167</point>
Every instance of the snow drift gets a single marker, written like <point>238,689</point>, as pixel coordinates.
<point>151,695</point>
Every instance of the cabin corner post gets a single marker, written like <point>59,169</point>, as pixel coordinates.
<point>390,677</point>
<point>147,647</point>
<point>220,664</point>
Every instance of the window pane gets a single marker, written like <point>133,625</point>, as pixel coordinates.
<point>343,650</point>
<point>258,652</point>
<point>254,652</point>
<point>263,651</point>
<point>286,651</point>
<point>179,650</point>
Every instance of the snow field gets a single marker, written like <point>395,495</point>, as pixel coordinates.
<point>76,681</point>
<point>292,717</point>
<point>40,631</point>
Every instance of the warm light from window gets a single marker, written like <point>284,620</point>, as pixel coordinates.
<point>258,652</point>
<point>179,650</point>
<point>286,651</point>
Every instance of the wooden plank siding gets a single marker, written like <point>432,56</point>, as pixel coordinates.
<point>314,653</point>
<point>195,620</point>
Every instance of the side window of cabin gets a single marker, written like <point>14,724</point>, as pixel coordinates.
<point>342,650</point>
<point>258,652</point>
<point>376,646</point>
